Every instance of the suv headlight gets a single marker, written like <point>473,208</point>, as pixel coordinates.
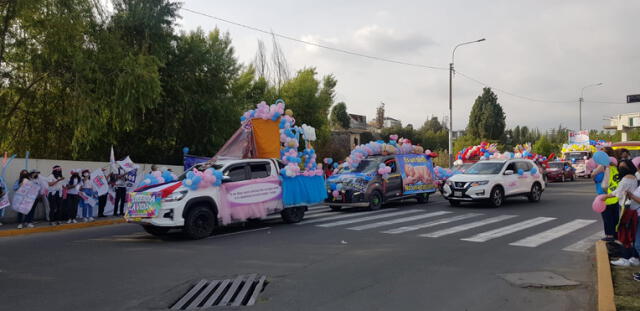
<point>479,183</point>
<point>175,196</point>
<point>449,182</point>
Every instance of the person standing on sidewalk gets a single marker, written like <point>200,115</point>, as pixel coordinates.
<point>102,200</point>
<point>35,177</point>
<point>3,192</point>
<point>28,218</point>
<point>55,196</point>
<point>87,194</point>
<point>611,214</point>
<point>73,187</point>
<point>121,192</point>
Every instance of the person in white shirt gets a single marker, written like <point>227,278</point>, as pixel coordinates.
<point>121,192</point>
<point>56,213</point>
<point>87,194</point>
<point>71,203</point>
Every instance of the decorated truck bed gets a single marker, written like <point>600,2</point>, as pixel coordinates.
<point>258,172</point>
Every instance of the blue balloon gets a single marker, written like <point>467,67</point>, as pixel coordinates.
<point>534,170</point>
<point>520,172</point>
<point>190,175</point>
<point>601,158</point>
<point>242,118</point>
<point>335,165</point>
<point>185,150</point>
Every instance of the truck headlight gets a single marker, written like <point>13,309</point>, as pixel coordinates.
<point>479,183</point>
<point>175,196</point>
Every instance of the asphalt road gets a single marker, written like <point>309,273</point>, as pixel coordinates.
<point>362,261</point>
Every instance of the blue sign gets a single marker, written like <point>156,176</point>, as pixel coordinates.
<point>417,173</point>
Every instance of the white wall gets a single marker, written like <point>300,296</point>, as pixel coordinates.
<point>45,166</point>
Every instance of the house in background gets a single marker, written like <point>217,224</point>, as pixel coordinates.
<point>391,122</point>
<point>624,123</point>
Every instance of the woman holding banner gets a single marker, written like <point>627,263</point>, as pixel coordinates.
<point>22,218</point>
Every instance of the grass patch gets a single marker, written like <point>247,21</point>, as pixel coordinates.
<point>626,290</point>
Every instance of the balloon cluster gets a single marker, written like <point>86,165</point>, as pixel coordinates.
<point>200,180</point>
<point>394,146</point>
<point>158,177</point>
<point>482,151</point>
<point>310,165</point>
<point>445,173</point>
<point>384,170</point>
<point>265,112</point>
<point>289,138</point>
<point>335,189</point>
<point>575,147</point>
<point>327,161</point>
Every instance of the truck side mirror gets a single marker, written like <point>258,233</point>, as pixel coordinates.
<point>225,179</point>
<point>508,172</point>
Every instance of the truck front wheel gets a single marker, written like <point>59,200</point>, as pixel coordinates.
<point>199,223</point>
<point>292,215</point>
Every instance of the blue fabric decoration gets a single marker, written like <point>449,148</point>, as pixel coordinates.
<point>303,190</point>
<point>598,183</point>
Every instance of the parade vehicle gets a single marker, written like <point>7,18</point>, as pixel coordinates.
<point>560,171</point>
<point>381,178</point>
<point>255,174</point>
<point>632,146</point>
<point>363,187</point>
<point>494,180</point>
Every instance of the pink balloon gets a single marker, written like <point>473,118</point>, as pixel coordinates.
<point>591,163</point>
<point>613,160</point>
<point>598,205</point>
<point>636,161</point>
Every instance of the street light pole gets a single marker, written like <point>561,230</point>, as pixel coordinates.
<point>582,100</point>
<point>451,70</point>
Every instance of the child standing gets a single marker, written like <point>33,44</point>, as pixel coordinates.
<point>87,195</point>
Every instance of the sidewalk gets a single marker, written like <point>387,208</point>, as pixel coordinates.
<point>10,229</point>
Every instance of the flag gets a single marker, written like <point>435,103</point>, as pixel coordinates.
<point>127,165</point>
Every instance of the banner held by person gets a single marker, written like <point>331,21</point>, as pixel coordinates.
<point>25,196</point>
<point>99,182</point>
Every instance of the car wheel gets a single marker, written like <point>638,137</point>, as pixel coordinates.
<point>199,223</point>
<point>497,197</point>
<point>293,214</point>
<point>422,198</point>
<point>454,203</point>
<point>536,193</point>
<point>156,231</point>
<point>375,201</point>
<point>335,207</point>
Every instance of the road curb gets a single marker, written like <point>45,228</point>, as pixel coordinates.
<point>25,231</point>
<point>604,283</point>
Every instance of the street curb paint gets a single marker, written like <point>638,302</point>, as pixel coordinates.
<point>25,231</point>
<point>604,283</point>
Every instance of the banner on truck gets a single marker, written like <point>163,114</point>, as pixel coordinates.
<point>252,192</point>
<point>143,204</point>
<point>578,137</point>
<point>417,173</point>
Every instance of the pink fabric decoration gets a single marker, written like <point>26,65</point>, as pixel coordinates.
<point>636,161</point>
<point>613,160</point>
<point>598,205</point>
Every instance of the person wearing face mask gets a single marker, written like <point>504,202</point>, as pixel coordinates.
<point>44,190</point>
<point>24,220</point>
<point>71,203</point>
<point>86,194</point>
<point>55,195</point>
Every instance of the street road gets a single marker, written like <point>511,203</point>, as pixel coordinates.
<point>405,257</point>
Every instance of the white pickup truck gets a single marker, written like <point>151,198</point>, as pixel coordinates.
<point>250,189</point>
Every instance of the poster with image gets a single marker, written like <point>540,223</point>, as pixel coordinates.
<point>417,173</point>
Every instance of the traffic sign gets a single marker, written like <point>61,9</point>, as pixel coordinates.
<point>633,98</point>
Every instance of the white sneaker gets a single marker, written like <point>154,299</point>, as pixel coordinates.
<point>91,219</point>
<point>85,219</point>
<point>634,261</point>
<point>69,221</point>
<point>621,262</point>
<point>74,221</point>
<point>20,226</point>
<point>30,225</point>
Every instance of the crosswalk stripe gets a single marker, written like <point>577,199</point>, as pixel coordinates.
<point>489,235</point>
<point>367,218</point>
<point>471,225</point>
<point>342,215</point>
<point>430,224</point>
<point>316,215</point>
<point>584,244</point>
<point>553,233</point>
<point>398,220</point>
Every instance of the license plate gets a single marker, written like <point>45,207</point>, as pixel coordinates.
<point>337,198</point>
<point>457,194</point>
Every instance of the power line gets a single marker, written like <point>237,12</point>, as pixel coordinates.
<point>378,58</point>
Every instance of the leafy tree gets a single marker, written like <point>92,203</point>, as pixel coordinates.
<point>544,146</point>
<point>487,119</point>
<point>432,125</point>
<point>465,141</point>
<point>339,115</point>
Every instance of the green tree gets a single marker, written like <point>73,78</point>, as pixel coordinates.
<point>432,125</point>
<point>487,119</point>
<point>465,141</point>
<point>544,146</point>
<point>339,115</point>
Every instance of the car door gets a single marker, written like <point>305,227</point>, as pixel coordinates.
<point>393,184</point>
<point>510,182</point>
<point>524,181</point>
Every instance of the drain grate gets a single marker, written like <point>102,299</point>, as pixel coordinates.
<point>241,291</point>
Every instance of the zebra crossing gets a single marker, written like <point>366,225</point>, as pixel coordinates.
<point>439,223</point>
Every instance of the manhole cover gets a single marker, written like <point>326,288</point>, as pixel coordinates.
<point>241,291</point>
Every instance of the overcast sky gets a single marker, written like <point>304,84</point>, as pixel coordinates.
<point>538,49</point>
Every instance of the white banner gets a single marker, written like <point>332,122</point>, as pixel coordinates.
<point>127,164</point>
<point>25,196</point>
<point>579,138</point>
<point>99,182</point>
<point>4,201</point>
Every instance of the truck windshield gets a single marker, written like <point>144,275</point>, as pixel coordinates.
<point>485,168</point>
<point>576,156</point>
<point>200,167</point>
<point>367,166</point>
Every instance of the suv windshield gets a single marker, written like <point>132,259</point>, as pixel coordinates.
<point>367,166</point>
<point>485,168</point>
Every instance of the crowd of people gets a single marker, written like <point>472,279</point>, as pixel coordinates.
<point>618,184</point>
<point>62,197</point>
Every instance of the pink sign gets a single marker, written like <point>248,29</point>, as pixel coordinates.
<point>250,199</point>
